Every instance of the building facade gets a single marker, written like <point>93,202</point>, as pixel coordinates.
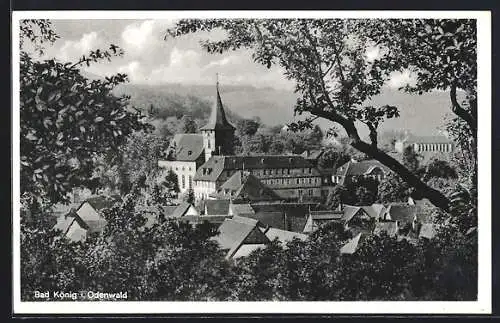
<point>425,144</point>
<point>290,177</point>
<point>352,170</point>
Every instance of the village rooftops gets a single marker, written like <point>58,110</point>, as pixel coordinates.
<point>244,186</point>
<point>389,227</point>
<point>403,213</point>
<point>212,169</point>
<point>188,146</point>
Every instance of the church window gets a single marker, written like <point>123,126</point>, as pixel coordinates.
<point>183,181</point>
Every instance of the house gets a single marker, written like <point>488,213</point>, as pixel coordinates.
<point>90,211</point>
<point>425,144</point>
<point>72,226</point>
<point>245,187</point>
<point>316,219</point>
<point>405,215</point>
<point>388,227</point>
<point>291,177</point>
<point>190,151</point>
<point>168,212</point>
<point>240,236</point>
<point>283,236</point>
<point>356,218</point>
<point>353,170</point>
<point>189,154</point>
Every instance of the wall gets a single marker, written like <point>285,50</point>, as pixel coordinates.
<point>180,168</point>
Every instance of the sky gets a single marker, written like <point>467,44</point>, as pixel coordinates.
<point>149,59</point>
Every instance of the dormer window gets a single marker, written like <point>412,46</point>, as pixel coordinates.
<point>190,153</point>
<point>262,161</point>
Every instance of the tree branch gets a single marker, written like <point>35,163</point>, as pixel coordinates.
<point>461,112</point>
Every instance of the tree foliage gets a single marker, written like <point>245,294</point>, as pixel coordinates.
<point>67,120</point>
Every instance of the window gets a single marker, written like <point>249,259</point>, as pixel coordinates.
<point>183,181</point>
<point>190,181</point>
<point>183,168</point>
<point>288,171</point>
<point>298,181</point>
<point>310,170</point>
<point>310,192</point>
<point>310,180</point>
<point>300,192</point>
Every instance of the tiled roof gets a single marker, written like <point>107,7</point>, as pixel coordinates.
<point>218,118</point>
<point>283,235</point>
<point>180,210</point>
<point>390,227</point>
<point>235,232</point>
<point>360,168</point>
<point>247,187</point>
<point>101,202</point>
<point>244,208</point>
<point>296,214</point>
<point>375,210</point>
<point>188,146</point>
<point>216,207</point>
<point>273,219</point>
<point>351,246</point>
<point>211,169</point>
<point>349,212</point>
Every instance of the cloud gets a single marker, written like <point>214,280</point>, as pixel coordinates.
<point>147,35</point>
<point>184,58</point>
<point>72,49</point>
<point>134,70</point>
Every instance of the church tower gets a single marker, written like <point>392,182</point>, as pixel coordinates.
<point>218,133</point>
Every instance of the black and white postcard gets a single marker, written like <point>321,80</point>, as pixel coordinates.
<point>252,162</point>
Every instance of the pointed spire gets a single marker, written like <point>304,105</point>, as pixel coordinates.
<point>218,118</point>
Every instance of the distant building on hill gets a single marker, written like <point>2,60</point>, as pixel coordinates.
<point>425,144</point>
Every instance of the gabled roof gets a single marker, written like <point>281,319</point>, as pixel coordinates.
<point>247,187</point>
<point>180,210</point>
<point>375,210</point>
<point>188,146</point>
<point>349,212</point>
<point>402,213</point>
<point>246,249</point>
<point>101,202</point>
<point>360,168</point>
<point>216,207</point>
<point>351,246</point>
<point>389,227</point>
<point>218,120</point>
<point>427,231</point>
<point>196,219</point>
<point>237,231</point>
<point>283,235</point>
<point>66,221</point>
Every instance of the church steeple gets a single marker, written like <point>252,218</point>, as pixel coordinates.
<point>218,133</point>
<point>218,118</point>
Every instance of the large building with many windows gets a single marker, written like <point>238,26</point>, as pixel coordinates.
<point>291,177</point>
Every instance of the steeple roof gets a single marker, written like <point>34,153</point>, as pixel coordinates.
<point>218,117</point>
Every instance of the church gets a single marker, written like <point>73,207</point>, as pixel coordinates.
<point>204,162</point>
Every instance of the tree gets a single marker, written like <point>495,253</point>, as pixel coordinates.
<point>187,125</point>
<point>332,158</point>
<point>333,76</point>
<point>439,169</point>
<point>442,54</point>
<point>66,120</point>
<point>393,189</point>
<point>410,159</point>
<point>189,198</point>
